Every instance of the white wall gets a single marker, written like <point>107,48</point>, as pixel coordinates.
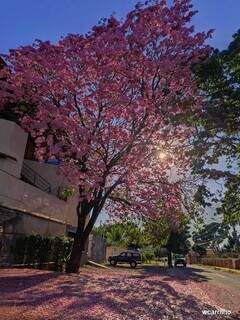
<point>50,173</point>
<point>13,141</point>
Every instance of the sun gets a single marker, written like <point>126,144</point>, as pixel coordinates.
<point>162,155</point>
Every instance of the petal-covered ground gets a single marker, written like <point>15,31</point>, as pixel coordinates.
<point>96,294</point>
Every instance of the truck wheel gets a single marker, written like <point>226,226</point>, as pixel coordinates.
<point>113,262</point>
<point>133,264</point>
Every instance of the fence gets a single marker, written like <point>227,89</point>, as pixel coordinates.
<point>231,263</point>
<point>97,248</point>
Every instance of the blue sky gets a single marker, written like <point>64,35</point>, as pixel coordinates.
<point>22,21</point>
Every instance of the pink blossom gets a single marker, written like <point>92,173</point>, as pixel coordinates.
<point>102,103</point>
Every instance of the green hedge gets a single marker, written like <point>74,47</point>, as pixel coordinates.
<point>35,250</point>
<point>147,256</point>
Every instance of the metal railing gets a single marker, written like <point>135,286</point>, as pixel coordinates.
<point>32,177</point>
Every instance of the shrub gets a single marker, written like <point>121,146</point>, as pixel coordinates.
<point>160,252</point>
<point>45,250</point>
<point>61,252</point>
<point>33,245</point>
<point>147,256</point>
<point>19,249</point>
<point>66,193</point>
<point>36,250</point>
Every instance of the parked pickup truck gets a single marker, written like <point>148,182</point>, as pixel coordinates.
<point>133,258</point>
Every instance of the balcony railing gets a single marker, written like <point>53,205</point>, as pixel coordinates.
<point>32,177</point>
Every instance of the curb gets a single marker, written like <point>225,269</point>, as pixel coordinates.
<point>235,271</point>
<point>98,265</point>
<point>228,270</point>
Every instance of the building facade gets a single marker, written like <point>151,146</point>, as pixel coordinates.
<point>30,193</point>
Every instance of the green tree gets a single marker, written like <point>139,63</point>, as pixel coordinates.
<point>233,242</point>
<point>230,213</point>
<point>210,236</point>
<point>218,127</point>
<point>230,205</point>
<point>161,234</point>
<point>157,231</point>
<point>125,234</point>
<point>216,145</point>
<point>112,233</point>
<point>217,135</point>
<point>178,242</point>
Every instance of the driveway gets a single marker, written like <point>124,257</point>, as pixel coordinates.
<point>118,293</point>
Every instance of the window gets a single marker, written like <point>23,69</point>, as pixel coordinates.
<point>123,254</point>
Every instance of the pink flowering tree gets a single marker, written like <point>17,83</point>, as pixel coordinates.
<point>105,105</point>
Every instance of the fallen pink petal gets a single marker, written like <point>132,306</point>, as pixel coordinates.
<point>106,294</point>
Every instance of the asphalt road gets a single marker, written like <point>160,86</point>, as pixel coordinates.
<point>220,278</point>
<point>222,287</point>
<point>194,272</point>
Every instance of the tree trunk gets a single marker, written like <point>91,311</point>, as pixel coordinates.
<point>83,232</point>
<point>169,255</point>
<point>74,262</point>
<point>79,239</point>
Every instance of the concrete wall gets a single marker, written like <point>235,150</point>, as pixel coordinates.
<point>50,173</point>
<point>15,223</point>
<point>12,146</point>
<point>17,194</point>
<point>97,248</point>
<point>21,223</point>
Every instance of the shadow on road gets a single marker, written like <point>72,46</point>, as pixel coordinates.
<point>146,293</point>
<point>176,273</point>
